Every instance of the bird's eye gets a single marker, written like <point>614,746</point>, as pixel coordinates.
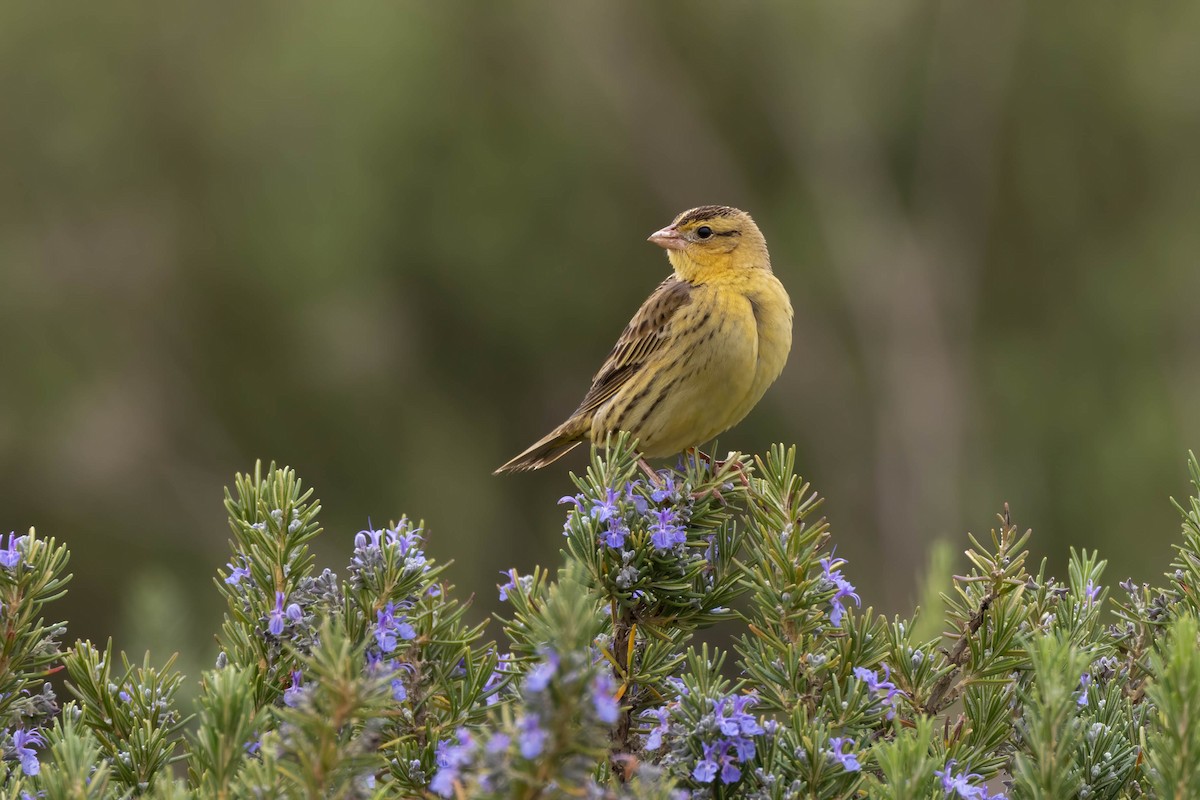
<point>704,232</point>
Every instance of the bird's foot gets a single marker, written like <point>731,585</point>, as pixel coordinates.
<point>738,467</point>
<point>713,492</point>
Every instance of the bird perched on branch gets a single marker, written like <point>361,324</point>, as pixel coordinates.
<point>698,354</point>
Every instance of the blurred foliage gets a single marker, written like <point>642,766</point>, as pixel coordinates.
<point>390,243</point>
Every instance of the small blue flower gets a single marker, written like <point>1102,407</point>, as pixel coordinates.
<point>23,743</point>
<point>511,586</point>
<point>831,572</point>
<point>278,616</point>
<point>614,534</point>
<point>735,744</point>
<point>960,784</point>
<point>498,743</point>
<point>666,487</point>
<point>733,717</point>
<point>291,695</point>
<point>404,538</point>
<point>389,628</point>
<point>877,687</point>
<point>494,682</point>
<point>539,677</point>
<point>617,534</point>
<point>236,573</point>
<point>849,761</point>
<point>1091,591</point>
<point>531,737</point>
<point>665,531</point>
<point>606,509</point>
<point>635,498</point>
<point>451,758</point>
<point>1085,681</point>
<point>606,707</point>
<point>367,540</point>
<point>717,761</point>
<point>654,739</point>
<point>706,770</point>
<point>11,557</point>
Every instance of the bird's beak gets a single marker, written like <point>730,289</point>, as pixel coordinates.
<point>668,239</point>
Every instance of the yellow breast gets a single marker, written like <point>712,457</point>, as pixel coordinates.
<point>727,347</point>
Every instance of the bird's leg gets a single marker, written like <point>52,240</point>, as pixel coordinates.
<point>717,466</point>
<point>696,455</point>
<point>646,468</point>
<point>738,467</point>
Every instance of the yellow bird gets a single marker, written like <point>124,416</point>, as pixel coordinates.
<point>698,354</point>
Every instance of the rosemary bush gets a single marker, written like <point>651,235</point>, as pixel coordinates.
<point>372,683</point>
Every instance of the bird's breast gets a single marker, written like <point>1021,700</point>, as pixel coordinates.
<point>699,385</point>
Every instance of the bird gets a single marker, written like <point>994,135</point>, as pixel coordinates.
<point>697,356</point>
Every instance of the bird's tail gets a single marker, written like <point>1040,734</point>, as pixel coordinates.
<point>549,448</point>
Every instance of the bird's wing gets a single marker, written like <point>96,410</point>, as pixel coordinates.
<point>642,337</point>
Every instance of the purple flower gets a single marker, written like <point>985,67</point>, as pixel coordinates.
<point>606,706</point>
<point>733,746</point>
<point>665,531</point>
<point>666,487</point>
<point>717,760</point>
<point>539,677</point>
<point>849,761</point>
<point>831,572</point>
<point>493,685</point>
<point>23,743</point>
<point>10,557</point>
<point>367,539</point>
<point>606,509</point>
<point>733,718</point>
<point>960,784</point>
<point>615,538</point>
<point>635,498</point>
<point>498,743</point>
<point>405,541</point>
<point>404,538</point>
<point>236,573</point>
<point>511,586</point>
<point>1085,681</point>
<point>576,499</point>
<point>655,737</point>
<point>389,628</point>
<point>706,770</point>
<point>291,695</point>
<point>451,758</point>
<point>876,687</point>
<point>531,737</point>
<point>278,616</point>
<point>1091,591</point>
<point>399,690</point>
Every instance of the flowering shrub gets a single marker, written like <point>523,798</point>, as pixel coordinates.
<point>373,684</point>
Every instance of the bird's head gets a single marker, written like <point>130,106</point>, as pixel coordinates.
<point>713,240</point>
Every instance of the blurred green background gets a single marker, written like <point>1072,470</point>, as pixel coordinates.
<point>388,244</point>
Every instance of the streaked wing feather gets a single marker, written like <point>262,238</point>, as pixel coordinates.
<point>642,337</point>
